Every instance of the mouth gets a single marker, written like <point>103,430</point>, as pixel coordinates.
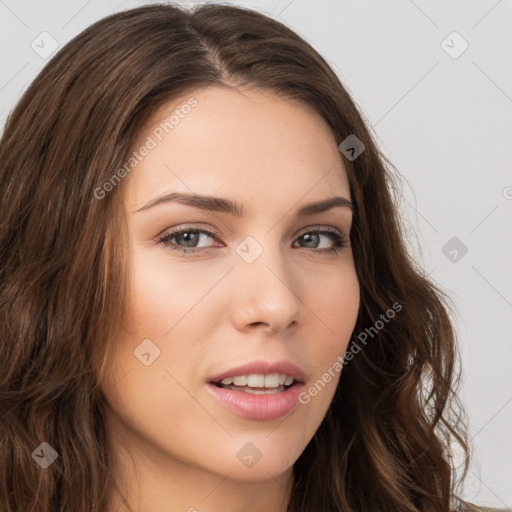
<point>257,403</point>
<point>257,383</point>
<point>259,391</point>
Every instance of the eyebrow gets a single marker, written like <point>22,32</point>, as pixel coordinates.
<point>219,204</point>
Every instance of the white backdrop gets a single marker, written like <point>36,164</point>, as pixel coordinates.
<point>434,80</point>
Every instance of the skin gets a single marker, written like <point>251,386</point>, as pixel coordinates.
<point>175,446</point>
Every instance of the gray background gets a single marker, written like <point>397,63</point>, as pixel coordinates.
<point>441,115</point>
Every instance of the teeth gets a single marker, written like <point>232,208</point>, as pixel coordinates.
<point>240,380</point>
<point>272,380</point>
<point>288,381</point>
<point>258,380</point>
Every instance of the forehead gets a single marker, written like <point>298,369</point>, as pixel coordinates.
<point>223,142</point>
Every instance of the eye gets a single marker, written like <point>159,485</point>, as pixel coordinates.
<point>313,237</point>
<point>190,237</point>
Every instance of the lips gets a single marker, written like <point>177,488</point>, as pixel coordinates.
<point>258,407</point>
<point>259,404</point>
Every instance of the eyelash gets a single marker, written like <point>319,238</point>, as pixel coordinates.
<point>339,240</point>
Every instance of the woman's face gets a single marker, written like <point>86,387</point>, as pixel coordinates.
<point>264,288</point>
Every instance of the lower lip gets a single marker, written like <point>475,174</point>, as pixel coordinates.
<point>258,407</point>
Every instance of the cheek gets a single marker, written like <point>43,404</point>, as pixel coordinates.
<point>334,310</point>
<point>163,292</point>
<point>340,303</point>
<point>170,305</point>
<point>335,306</point>
<point>166,296</point>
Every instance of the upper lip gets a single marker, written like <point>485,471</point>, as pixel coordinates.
<point>262,367</point>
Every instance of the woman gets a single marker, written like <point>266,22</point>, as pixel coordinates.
<point>206,298</point>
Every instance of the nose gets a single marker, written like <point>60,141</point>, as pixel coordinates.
<point>267,293</point>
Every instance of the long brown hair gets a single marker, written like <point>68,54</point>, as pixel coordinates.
<point>382,444</point>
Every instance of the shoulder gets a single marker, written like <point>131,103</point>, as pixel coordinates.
<point>470,507</point>
<point>487,509</point>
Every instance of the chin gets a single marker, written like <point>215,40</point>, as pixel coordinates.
<point>258,458</point>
